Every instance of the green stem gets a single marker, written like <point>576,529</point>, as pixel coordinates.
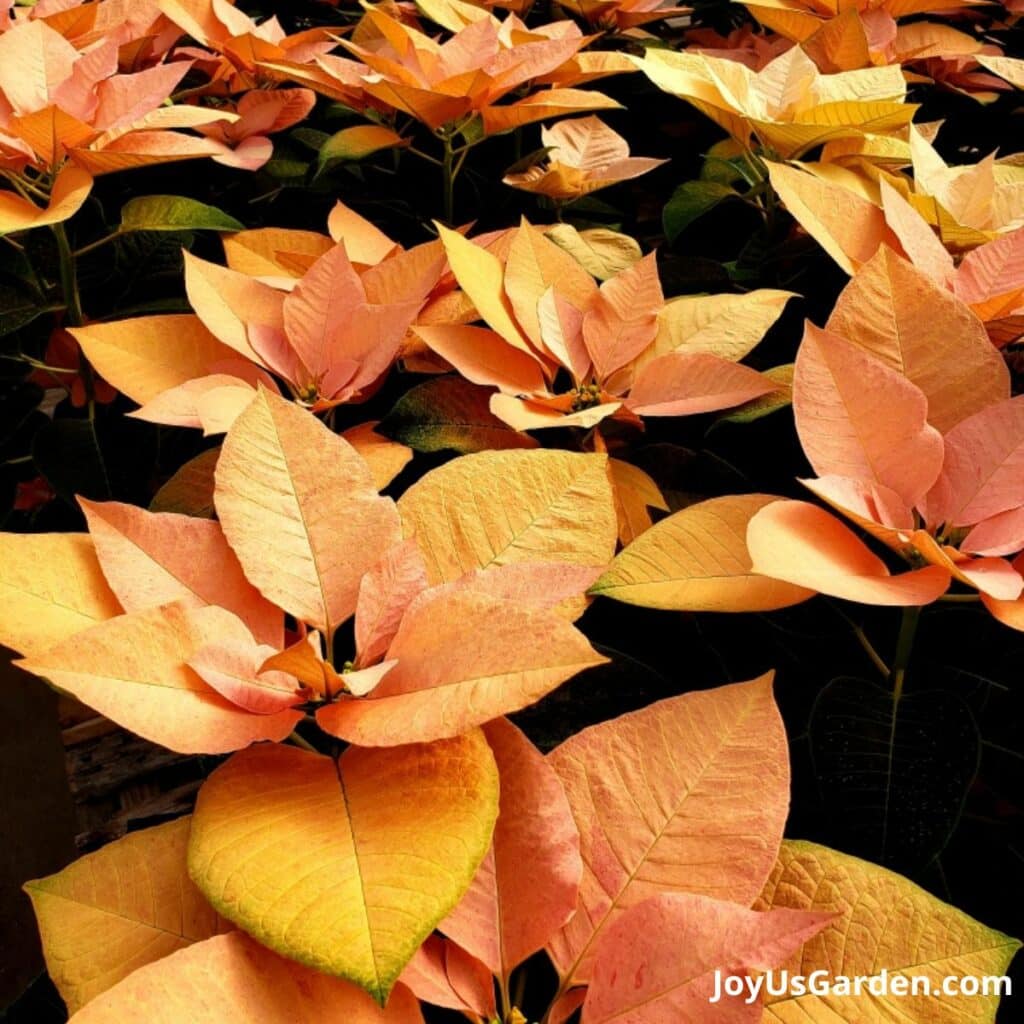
<point>95,245</point>
<point>296,739</point>
<point>869,650</point>
<point>25,188</point>
<point>448,174</point>
<point>904,647</point>
<point>68,277</point>
<point>423,156</point>
<point>73,312</point>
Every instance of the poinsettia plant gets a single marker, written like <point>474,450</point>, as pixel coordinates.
<point>651,869</point>
<point>334,439</point>
<point>904,410</point>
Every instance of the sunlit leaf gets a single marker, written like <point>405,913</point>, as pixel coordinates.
<point>231,978</point>
<point>884,922</point>
<point>495,508</point>
<point>51,587</point>
<point>688,795</point>
<point>361,857</point>
<point>507,914</point>
<point>697,560</point>
<point>282,474</point>
<point>133,669</point>
<point>113,911</point>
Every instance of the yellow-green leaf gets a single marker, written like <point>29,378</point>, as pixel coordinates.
<point>697,560</point>
<point>117,909</point>
<point>772,402</point>
<point>345,866</point>
<point>174,213</point>
<point>357,143</point>
<point>886,923</point>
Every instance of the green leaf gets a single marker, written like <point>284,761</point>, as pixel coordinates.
<point>473,131</point>
<point>190,491</point>
<point>724,163</point>
<point>311,138</point>
<point>357,143</point>
<point>450,413</point>
<point>772,402</point>
<point>530,160</point>
<point>19,306</point>
<point>691,200</point>
<point>174,213</point>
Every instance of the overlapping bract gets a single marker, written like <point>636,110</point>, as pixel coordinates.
<point>921,456</point>
<point>582,156</point>
<point>631,846</point>
<point>626,352</point>
<point>859,200</point>
<point>788,105</point>
<point>328,323</point>
<point>366,882</point>
<point>211,672</point>
<point>399,68</point>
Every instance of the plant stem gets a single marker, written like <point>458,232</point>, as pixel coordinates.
<point>869,650</point>
<point>303,744</point>
<point>448,173</point>
<point>68,277</point>
<point>904,647</point>
<point>95,245</point>
<point>423,156</point>
<point>73,304</point>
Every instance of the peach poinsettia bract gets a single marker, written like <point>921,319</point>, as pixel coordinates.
<point>325,318</point>
<point>454,852</point>
<point>662,823</point>
<point>398,68</point>
<point>903,407</point>
<point>581,156</point>
<point>176,628</point>
<point>562,351</point>
<point>231,44</point>
<point>799,20</point>
<point>852,201</point>
<point>904,411</point>
<point>989,277</point>
<point>58,102</point>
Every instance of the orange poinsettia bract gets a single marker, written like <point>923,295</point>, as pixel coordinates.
<point>799,20</point>
<point>855,197</point>
<point>621,15</point>
<point>583,155</point>
<point>562,351</point>
<point>399,68</point>
<point>232,45</point>
<point>903,408</point>
<point>57,103</point>
<point>186,641</point>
